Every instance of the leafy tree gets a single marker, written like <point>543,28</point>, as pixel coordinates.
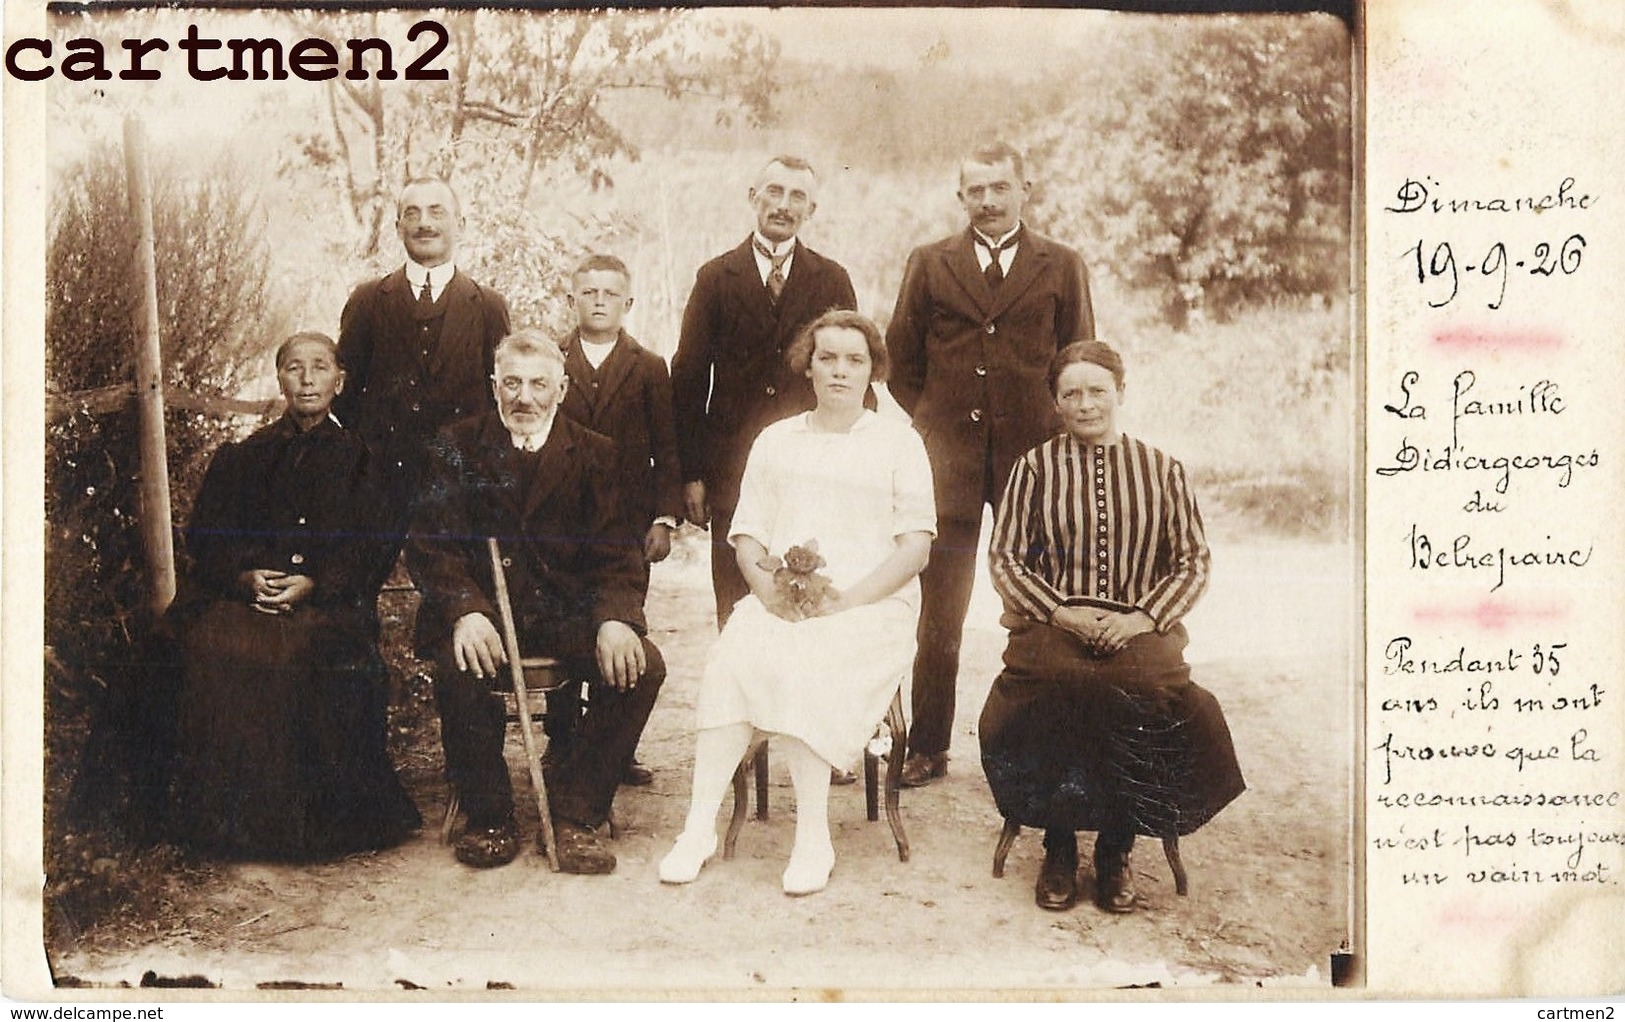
<point>1209,163</point>
<point>526,92</point>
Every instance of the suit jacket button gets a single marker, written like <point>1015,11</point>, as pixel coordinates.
<point>297,559</point>
<point>416,407</point>
<point>976,415</point>
<point>992,328</point>
<point>507,562</point>
<point>981,370</point>
<point>771,390</point>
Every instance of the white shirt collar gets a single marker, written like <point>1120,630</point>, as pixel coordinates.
<point>1006,256</point>
<point>764,265</point>
<point>785,247</point>
<point>596,354</point>
<point>1001,239</point>
<point>437,276</point>
<point>533,441</point>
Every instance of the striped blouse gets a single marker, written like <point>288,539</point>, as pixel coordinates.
<point>1111,524</point>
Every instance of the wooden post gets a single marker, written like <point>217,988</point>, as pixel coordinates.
<point>156,531</point>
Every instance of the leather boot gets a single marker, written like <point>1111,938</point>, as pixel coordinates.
<point>1114,876</point>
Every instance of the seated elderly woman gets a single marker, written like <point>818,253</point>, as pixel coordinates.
<point>280,736</point>
<point>1094,724</point>
<point>814,657</point>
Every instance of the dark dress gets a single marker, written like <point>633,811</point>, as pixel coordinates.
<point>281,730</point>
<point>1124,744</point>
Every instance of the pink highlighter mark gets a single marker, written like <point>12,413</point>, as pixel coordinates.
<point>1526,339</point>
<point>1490,615</point>
<point>1468,914</point>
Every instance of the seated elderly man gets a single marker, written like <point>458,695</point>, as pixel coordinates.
<point>544,487</point>
<point>1094,724</point>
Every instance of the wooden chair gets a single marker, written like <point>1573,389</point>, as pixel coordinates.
<point>1170,849</point>
<point>889,741</point>
<point>531,678</point>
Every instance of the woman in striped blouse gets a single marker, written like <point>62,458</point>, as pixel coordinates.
<point>1094,724</point>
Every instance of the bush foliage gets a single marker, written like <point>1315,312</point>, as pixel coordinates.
<point>217,319</point>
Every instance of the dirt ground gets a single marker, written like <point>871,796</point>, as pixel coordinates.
<point>1269,899</point>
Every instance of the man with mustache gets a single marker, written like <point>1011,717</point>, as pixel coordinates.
<point>417,347</point>
<point>979,316</point>
<point>729,377</point>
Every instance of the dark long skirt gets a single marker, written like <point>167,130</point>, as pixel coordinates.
<point>1124,744</point>
<point>281,739</point>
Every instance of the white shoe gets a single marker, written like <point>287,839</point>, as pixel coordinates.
<point>808,872</point>
<point>687,856</point>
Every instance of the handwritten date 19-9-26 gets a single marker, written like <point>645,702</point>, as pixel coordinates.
<point>1441,270</point>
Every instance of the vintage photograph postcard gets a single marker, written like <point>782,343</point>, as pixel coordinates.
<point>727,502</point>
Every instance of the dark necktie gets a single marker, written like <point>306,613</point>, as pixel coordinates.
<point>426,296</point>
<point>995,272</point>
<point>775,276</point>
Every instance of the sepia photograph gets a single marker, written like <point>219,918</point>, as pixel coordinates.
<point>713,503</point>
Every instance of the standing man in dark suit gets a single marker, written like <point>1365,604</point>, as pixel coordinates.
<point>729,376</point>
<point>545,488</point>
<point>979,317</point>
<point>416,346</point>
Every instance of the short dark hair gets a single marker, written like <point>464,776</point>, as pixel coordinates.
<point>800,352</point>
<point>456,203</point>
<point>1097,352</point>
<point>303,336</point>
<point>994,153</point>
<point>602,261</point>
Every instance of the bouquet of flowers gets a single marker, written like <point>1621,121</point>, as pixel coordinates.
<point>799,591</point>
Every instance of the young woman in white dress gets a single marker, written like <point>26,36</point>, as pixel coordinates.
<point>859,484</point>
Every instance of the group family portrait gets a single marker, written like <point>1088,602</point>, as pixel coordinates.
<point>726,501</point>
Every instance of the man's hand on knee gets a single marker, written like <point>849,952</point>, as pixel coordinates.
<point>477,646</point>
<point>621,657</point>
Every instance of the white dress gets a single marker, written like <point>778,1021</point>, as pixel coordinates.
<point>826,680</point>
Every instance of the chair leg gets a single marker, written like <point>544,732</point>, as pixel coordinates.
<point>1170,848</point>
<point>894,772</point>
<point>741,804</point>
<point>1006,838</point>
<point>761,781</point>
<point>871,785</point>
